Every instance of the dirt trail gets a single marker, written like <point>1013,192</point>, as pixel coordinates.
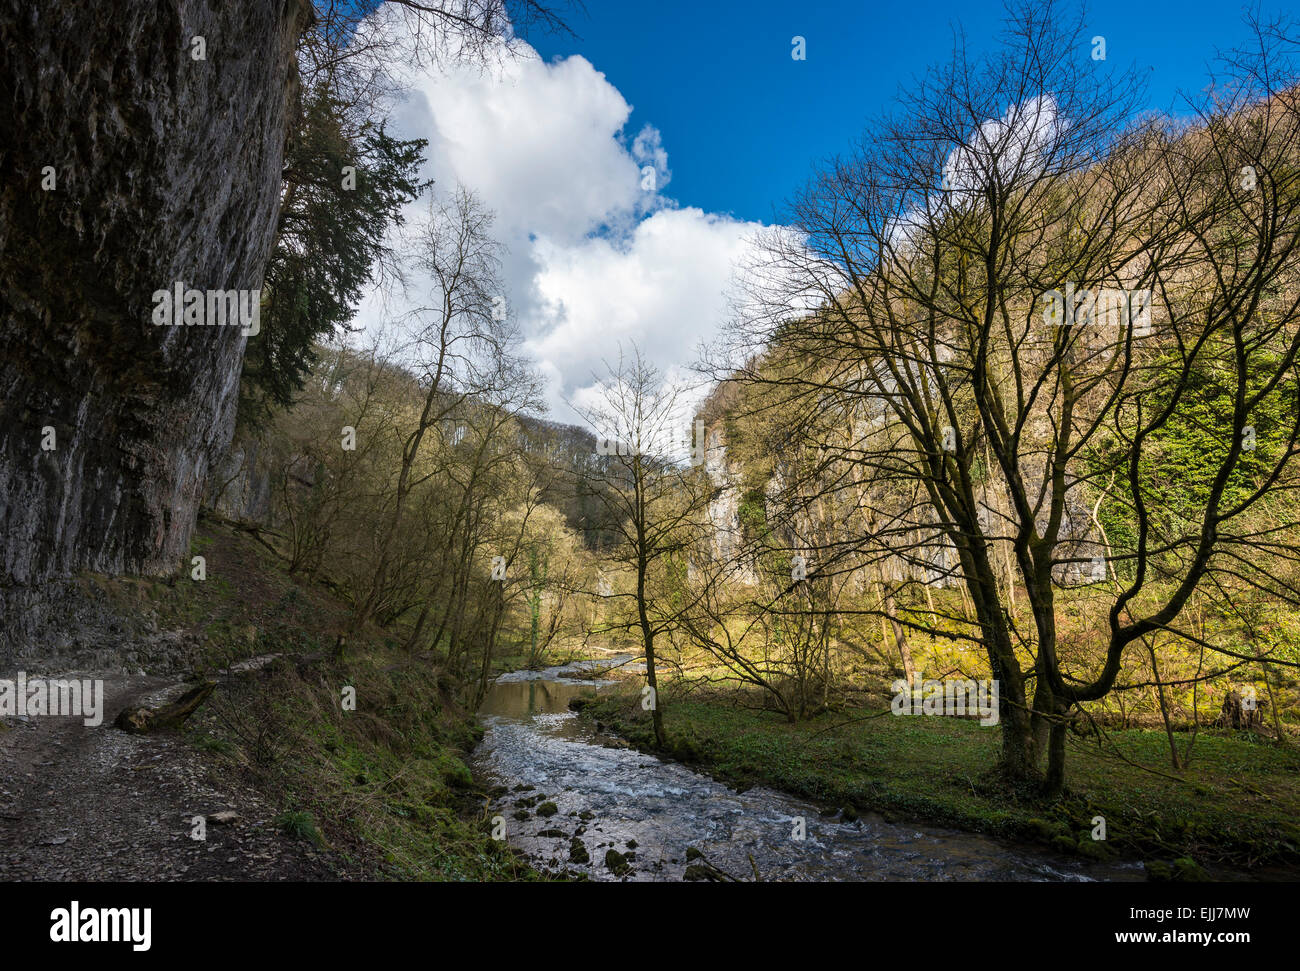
<point>81,803</point>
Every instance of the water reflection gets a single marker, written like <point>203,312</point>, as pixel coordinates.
<point>522,699</point>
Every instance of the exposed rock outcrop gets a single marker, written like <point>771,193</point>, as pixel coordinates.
<point>130,165</point>
<point>727,538</point>
<point>239,486</point>
<point>933,561</point>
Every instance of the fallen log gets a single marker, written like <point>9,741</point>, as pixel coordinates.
<point>144,721</point>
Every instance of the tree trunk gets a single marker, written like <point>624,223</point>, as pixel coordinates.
<point>900,639</point>
<point>656,716</point>
<point>1054,781</point>
<point>1040,721</point>
<point>1164,707</point>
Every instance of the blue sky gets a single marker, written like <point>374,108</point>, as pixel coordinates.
<point>555,141</point>
<point>744,123</point>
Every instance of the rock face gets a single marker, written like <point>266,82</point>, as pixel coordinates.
<point>728,538</point>
<point>1080,538</point>
<point>239,486</point>
<point>129,164</point>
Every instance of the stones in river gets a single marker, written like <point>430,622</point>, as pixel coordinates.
<point>617,863</point>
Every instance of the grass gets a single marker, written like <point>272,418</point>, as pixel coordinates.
<point>300,825</point>
<point>1238,804</point>
<point>386,788</point>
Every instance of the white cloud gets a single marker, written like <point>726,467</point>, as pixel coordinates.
<point>594,259</point>
<point>664,290</point>
<point>541,143</point>
<point>1013,149</point>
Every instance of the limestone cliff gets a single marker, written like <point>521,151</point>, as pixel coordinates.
<point>141,143</point>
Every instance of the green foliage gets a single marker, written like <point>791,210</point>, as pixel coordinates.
<point>1182,457</point>
<point>299,825</point>
<point>753,512</point>
<point>330,242</point>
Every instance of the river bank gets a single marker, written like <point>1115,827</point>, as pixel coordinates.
<point>1232,821</point>
<point>580,802</point>
<point>337,768</point>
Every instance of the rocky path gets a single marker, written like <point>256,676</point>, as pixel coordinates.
<point>81,803</point>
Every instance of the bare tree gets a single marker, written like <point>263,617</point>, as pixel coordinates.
<point>461,347</point>
<point>656,505</point>
<point>1019,291</point>
<point>355,49</point>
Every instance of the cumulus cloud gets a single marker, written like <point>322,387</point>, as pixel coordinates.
<point>598,255</point>
<point>662,289</point>
<point>1012,149</point>
<point>540,143</point>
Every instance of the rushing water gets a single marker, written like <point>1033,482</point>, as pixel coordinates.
<point>610,797</point>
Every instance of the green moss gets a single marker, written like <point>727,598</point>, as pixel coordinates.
<point>1094,849</point>
<point>1064,844</point>
<point>1187,869</point>
<point>578,852</point>
<point>617,863</point>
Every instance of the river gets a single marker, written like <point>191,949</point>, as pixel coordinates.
<point>610,797</point>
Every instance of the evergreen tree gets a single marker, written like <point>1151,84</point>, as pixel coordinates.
<point>340,198</point>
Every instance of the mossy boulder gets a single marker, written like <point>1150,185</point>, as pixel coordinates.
<point>1065,844</point>
<point>578,851</point>
<point>617,863</point>
<point>1182,870</point>
<point>1094,849</point>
